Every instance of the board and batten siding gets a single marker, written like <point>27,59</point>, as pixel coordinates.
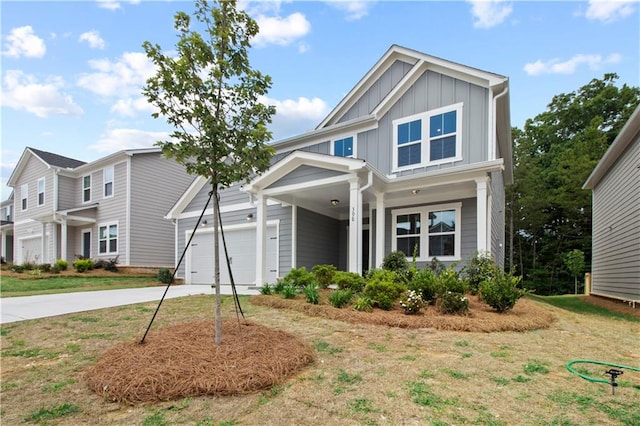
<point>156,182</point>
<point>318,240</point>
<point>497,218</point>
<point>616,229</point>
<point>305,174</point>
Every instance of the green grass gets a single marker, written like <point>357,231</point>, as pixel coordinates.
<point>578,305</point>
<point>44,414</point>
<point>13,287</point>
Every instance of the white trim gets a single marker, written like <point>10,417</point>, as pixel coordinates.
<point>83,188</point>
<point>294,236</point>
<point>307,185</point>
<point>108,225</point>
<point>127,230</point>
<point>112,181</point>
<point>354,145</point>
<point>43,192</point>
<point>226,209</point>
<point>24,195</point>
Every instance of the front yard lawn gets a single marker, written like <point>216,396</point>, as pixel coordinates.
<point>24,286</point>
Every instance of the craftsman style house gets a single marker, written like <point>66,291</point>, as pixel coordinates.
<point>112,207</point>
<point>414,158</point>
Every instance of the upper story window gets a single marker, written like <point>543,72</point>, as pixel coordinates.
<point>107,175</point>
<point>108,238</point>
<point>41,187</point>
<point>86,189</point>
<point>344,147</point>
<point>428,231</point>
<point>428,138</point>
<point>24,197</point>
<point>9,213</point>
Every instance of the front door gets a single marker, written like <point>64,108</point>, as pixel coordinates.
<point>86,244</point>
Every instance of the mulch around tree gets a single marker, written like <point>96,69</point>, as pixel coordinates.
<point>183,361</point>
<point>526,315</point>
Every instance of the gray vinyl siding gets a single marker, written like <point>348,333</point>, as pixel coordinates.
<point>228,196</point>
<point>318,239</point>
<point>497,218</point>
<point>155,183</point>
<point>616,229</point>
<point>67,193</point>
<point>33,171</point>
<point>305,174</point>
<point>112,210</point>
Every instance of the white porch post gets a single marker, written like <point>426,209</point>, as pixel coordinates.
<point>355,227</point>
<point>379,229</point>
<point>63,239</point>
<point>261,239</point>
<point>481,217</point>
<point>43,248</point>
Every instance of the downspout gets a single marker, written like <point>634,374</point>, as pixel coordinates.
<point>492,154</point>
<point>369,182</point>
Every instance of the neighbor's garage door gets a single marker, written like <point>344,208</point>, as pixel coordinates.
<point>31,250</point>
<point>241,245</point>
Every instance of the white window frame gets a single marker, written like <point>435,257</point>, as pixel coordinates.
<point>425,145</point>
<point>424,230</point>
<point>354,153</point>
<point>85,189</point>
<point>9,213</point>
<point>105,181</point>
<point>41,192</point>
<point>24,197</point>
<point>108,225</point>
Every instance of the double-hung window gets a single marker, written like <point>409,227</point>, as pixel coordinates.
<point>24,196</point>
<point>108,238</point>
<point>428,138</point>
<point>428,231</point>
<point>344,147</point>
<point>86,188</point>
<point>107,176</point>
<point>41,187</point>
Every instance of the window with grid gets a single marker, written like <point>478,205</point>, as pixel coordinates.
<point>24,197</point>
<point>86,189</point>
<point>408,234</point>
<point>41,187</point>
<point>343,147</point>
<point>108,239</point>
<point>442,233</point>
<point>108,181</point>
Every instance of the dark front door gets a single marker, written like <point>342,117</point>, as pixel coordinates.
<point>365,250</point>
<point>86,245</point>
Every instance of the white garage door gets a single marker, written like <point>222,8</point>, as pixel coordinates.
<point>241,244</point>
<point>31,250</point>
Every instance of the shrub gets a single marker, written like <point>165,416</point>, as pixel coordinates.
<point>311,293</point>
<point>396,261</point>
<point>384,289</point>
<point>349,281</point>
<point>17,268</point>
<point>453,303</point>
<point>82,265</point>
<point>45,267</point>
<point>62,264</point>
<point>412,303</point>
<point>165,276</point>
<point>437,266</point>
<point>266,289</point>
<point>424,282</point>
<point>289,291</point>
<point>363,304</point>
<point>279,286</point>
<point>339,298</point>
<point>449,281</point>
<point>299,277</point>
<point>479,268</point>
<point>324,274</point>
<point>55,269</point>
<point>502,292</point>
<point>110,264</point>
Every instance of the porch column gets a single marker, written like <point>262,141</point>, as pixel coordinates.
<point>379,229</point>
<point>481,217</point>
<point>63,239</point>
<point>261,239</point>
<point>355,227</point>
<point>43,248</point>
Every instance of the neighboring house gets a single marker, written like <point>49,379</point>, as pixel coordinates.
<point>615,265</point>
<point>414,158</point>
<point>6,229</point>
<point>112,207</point>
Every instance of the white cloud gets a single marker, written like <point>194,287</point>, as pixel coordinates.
<point>555,66</point>
<point>23,92</point>
<point>121,78</point>
<point>355,10</point>
<point>118,139</point>
<point>93,38</point>
<point>295,116</point>
<point>23,42</point>
<point>113,4</point>
<point>609,11</point>
<point>129,107</point>
<point>281,31</point>
<point>489,13</point>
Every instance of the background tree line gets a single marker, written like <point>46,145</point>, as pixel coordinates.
<point>548,216</point>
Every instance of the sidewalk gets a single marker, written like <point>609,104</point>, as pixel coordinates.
<point>14,309</point>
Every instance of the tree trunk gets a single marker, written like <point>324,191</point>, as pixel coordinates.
<point>216,265</point>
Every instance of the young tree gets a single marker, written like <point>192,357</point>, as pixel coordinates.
<point>574,260</point>
<point>209,93</point>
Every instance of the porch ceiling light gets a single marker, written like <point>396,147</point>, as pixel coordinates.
<point>335,202</point>
<point>415,191</point>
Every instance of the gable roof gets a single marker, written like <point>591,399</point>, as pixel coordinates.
<point>630,132</point>
<point>57,160</point>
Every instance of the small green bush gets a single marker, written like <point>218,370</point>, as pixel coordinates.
<point>278,287</point>
<point>479,268</point>
<point>384,289</point>
<point>349,281</point>
<point>266,289</point>
<point>299,277</point>
<point>45,267</point>
<point>453,303</point>
<point>62,264</point>
<point>165,276</point>
<point>437,266</point>
<point>502,292</point>
<point>412,303</point>
<point>324,274</point>
<point>363,304</point>
<point>111,264</point>
<point>340,298</point>
<point>449,281</point>
<point>289,291</point>
<point>55,269</point>
<point>425,283</point>
<point>396,261</point>
<point>83,265</point>
<point>312,293</point>
<point>17,268</point>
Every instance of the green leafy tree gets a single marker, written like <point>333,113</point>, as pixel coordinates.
<point>548,211</point>
<point>209,93</point>
<point>574,260</point>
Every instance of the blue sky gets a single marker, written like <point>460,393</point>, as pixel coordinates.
<point>72,71</point>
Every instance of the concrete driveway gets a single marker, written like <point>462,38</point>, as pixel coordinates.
<point>14,309</point>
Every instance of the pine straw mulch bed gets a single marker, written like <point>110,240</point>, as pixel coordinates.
<point>526,315</point>
<point>183,361</point>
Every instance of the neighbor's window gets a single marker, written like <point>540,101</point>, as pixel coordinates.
<point>24,196</point>
<point>343,147</point>
<point>9,213</point>
<point>428,231</point>
<point>108,181</point>
<point>108,239</point>
<point>41,186</point>
<point>86,189</point>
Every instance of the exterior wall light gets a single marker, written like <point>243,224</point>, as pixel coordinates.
<point>335,202</point>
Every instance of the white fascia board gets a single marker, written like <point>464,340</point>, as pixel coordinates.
<point>188,195</point>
